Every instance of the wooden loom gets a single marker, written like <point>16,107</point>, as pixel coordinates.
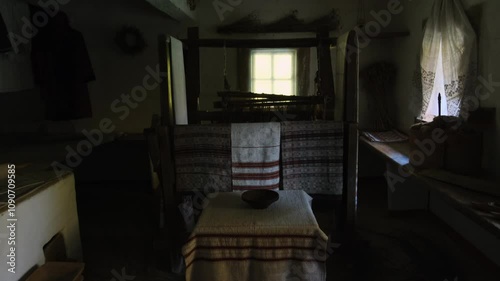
<point>165,165</point>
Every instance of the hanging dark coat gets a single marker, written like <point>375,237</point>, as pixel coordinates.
<point>5,45</point>
<point>62,69</point>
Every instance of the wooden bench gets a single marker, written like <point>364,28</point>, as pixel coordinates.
<point>452,203</point>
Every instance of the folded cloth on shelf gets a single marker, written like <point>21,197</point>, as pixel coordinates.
<point>255,150</point>
<point>203,157</point>
<point>312,156</point>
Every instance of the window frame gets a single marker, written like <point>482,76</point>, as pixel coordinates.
<point>293,78</point>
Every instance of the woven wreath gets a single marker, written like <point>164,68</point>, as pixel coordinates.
<point>130,40</point>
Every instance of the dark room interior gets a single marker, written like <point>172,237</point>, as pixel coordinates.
<point>237,140</point>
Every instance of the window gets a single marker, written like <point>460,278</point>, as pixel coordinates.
<point>448,61</point>
<point>273,71</point>
<point>438,88</point>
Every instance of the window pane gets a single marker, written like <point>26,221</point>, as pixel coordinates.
<point>262,86</point>
<point>283,87</point>
<point>262,66</point>
<point>283,66</point>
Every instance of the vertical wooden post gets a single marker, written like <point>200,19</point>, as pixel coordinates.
<point>166,99</point>
<point>351,87</point>
<point>351,176</point>
<point>192,57</point>
<point>165,139</point>
<point>351,137</point>
<point>326,86</point>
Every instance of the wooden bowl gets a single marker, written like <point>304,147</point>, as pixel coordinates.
<point>260,199</point>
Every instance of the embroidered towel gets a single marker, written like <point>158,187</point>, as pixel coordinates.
<point>312,156</point>
<point>255,155</point>
<point>203,157</point>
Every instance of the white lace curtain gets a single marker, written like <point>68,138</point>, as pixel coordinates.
<point>448,59</point>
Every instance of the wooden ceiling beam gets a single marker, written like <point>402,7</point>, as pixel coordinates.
<point>259,43</point>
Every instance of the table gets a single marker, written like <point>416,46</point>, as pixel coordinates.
<point>232,241</point>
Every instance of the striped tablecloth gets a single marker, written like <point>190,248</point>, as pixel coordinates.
<point>234,242</point>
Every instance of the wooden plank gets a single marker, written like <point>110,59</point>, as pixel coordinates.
<point>178,75</point>
<point>326,86</point>
<point>281,43</point>
<point>168,192</point>
<point>461,199</point>
<point>350,189</point>
<point>167,165</point>
<point>458,197</point>
<point>226,94</point>
<point>390,35</point>
<point>397,152</point>
<point>260,43</point>
<point>193,86</point>
<point>254,116</point>
<point>262,103</point>
<point>294,28</point>
<point>352,174</point>
<point>166,99</point>
<point>58,271</point>
<point>352,81</point>
<point>153,148</point>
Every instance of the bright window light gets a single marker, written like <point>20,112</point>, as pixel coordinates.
<point>438,88</point>
<point>273,71</point>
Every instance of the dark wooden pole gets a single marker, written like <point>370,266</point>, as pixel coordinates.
<point>192,57</point>
<point>326,86</point>
<point>166,100</point>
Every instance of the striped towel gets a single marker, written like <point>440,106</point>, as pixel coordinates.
<point>255,155</point>
<point>312,154</point>
<point>203,157</point>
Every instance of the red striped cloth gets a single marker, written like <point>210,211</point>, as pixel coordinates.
<point>255,149</point>
<point>312,156</point>
<point>203,157</point>
<point>234,242</point>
